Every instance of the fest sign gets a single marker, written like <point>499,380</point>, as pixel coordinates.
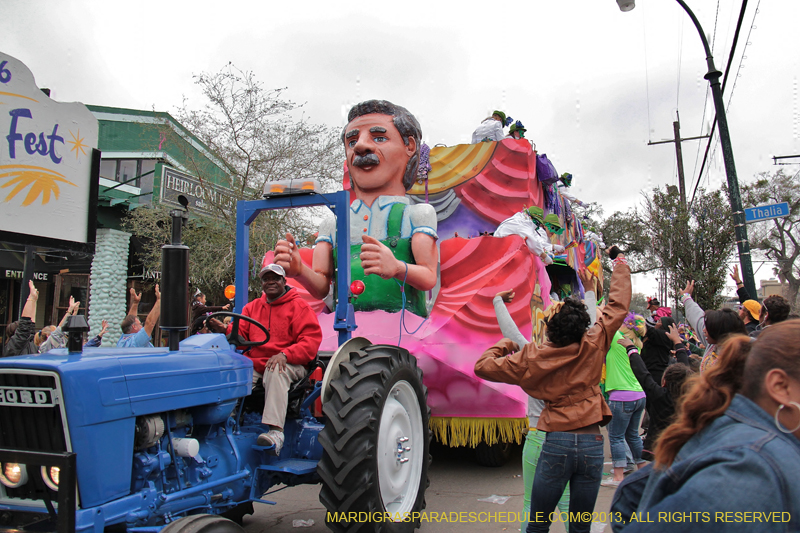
<point>45,160</point>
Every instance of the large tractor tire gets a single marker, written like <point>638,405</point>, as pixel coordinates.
<point>375,442</point>
<point>202,523</point>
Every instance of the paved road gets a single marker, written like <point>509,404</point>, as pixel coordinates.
<point>457,483</point>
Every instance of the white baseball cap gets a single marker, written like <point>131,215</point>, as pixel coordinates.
<point>272,267</point>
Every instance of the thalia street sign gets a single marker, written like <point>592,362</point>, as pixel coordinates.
<point>765,212</point>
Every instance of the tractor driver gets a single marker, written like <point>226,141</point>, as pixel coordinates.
<point>295,337</point>
<point>382,143</point>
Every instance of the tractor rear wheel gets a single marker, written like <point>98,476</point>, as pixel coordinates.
<point>375,442</point>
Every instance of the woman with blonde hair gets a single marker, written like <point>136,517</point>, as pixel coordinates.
<point>42,335</point>
<point>734,448</point>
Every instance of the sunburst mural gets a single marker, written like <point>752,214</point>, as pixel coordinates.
<point>42,182</point>
<point>77,144</point>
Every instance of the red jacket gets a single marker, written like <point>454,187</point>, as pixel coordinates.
<point>293,328</point>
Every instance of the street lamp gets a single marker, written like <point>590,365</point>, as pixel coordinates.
<point>626,5</point>
<point>713,76</point>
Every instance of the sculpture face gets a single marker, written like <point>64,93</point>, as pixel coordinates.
<point>376,156</point>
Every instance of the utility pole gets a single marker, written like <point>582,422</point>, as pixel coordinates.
<point>776,157</point>
<point>676,128</point>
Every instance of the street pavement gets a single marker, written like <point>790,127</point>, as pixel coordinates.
<point>457,483</point>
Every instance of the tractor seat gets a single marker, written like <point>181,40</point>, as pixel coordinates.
<point>301,386</point>
<point>297,392</point>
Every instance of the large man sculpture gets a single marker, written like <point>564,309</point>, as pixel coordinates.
<point>388,236</point>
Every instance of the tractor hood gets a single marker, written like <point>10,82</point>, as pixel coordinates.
<point>103,390</point>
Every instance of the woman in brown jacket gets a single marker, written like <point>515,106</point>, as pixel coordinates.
<point>565,372</point>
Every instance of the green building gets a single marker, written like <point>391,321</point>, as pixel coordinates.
<point>147,157</point>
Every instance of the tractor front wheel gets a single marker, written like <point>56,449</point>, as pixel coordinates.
<point>375,442</point>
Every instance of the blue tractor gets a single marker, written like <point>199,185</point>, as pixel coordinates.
<point>164,439</point>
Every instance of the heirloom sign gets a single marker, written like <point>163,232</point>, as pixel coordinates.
<point>45,159</point>
<point>203,197</point>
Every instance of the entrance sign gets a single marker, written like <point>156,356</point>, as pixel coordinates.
<point>45,159</point>
<point>766,212</point>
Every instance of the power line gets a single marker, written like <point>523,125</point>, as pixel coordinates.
<point>646,76</point>
<point>680,57</point>
<point>724,82</point>
<point>735,78</point>
<point>714,35</point>
<point>702,124</point>
<point>705,105</point>
<point>741,60</point>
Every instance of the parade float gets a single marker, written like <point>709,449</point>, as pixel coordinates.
<point>474,188</point>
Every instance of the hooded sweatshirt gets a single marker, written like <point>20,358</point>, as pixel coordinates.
<point>21,342</point>
<point>293,328</point>
<point>657,349</point>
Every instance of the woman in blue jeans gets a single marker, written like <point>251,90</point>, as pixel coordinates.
<point>734,450</point>
<point>564,372</point>
<point>535,438</point>
<point>627,401</point>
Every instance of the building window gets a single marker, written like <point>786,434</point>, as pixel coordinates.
<point>122,170</point>
<point>147,172</point>
<point>127,170</point>
<point>108,169</point>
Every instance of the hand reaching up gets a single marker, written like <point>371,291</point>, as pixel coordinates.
<point>689,289</point>
<point>33,292</point>
<point>507,296</point>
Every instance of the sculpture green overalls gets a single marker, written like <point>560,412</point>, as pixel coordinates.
<point>387,294</point>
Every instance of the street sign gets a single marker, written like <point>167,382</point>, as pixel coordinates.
<point>766,212</point>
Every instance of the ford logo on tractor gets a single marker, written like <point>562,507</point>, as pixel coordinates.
<point>26,396</point>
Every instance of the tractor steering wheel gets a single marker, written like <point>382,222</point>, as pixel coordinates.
<point>234,337</point>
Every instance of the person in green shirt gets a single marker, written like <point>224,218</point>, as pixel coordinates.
<point>627,402</point>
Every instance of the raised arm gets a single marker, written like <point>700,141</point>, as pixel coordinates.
<point>317,279</point>
<point>214,308</point>
<point>135,299</point>
<point>58,338</point>
<point>589,298</point>
<point>741,292</point>
<point>155,313</point>
<point>613,313</point>
<point>681,353</point>
<point>71,310</point>
<point>695,315</point>
<point>97,340</point>
<point>30,304</point>
<point>507,326</point>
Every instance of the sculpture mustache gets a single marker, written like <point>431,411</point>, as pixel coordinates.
<point>365,160</point>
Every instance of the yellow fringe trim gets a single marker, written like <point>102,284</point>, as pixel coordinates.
<point>464,431</point>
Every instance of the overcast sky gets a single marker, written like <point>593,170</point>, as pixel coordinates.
<point>591,84</point>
